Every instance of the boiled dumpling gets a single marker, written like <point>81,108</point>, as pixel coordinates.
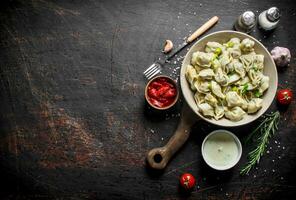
<point>224,58</point>
<point>229,68</point>
<point>258,62</point>
<point>221,78</point>
<point>216,64</point>
<point>264,84</point>
<point>202,86</point>
<point>206,109</point>
<point>199,98</point>
<point>234,52</point>
<point>235,114</point>
<point>235,41</point>
<point>255,76</point>
<point>233,99</point>
<point>190,73</point>
<point>233,78</point>
<point>247,45</point>
<point>243,81</point>
<point>191,76</point>
<point>211,99</point>
<point>239,68</point>
<point>216,89</point>
<point>213,46</point>
<point>202,59</point>
<point>206,74</point>
<point>247,60</point>
<point>219,112</point>
<point>254,105</point>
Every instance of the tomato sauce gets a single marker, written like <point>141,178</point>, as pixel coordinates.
<point>161,92</point>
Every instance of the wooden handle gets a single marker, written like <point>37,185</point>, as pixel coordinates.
<point>202,29</point>
<point>159,157</point>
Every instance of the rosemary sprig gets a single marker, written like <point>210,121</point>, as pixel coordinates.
<point>265,129</point>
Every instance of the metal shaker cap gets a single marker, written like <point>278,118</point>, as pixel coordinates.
<point>273,14</point>
<point>248,18</point>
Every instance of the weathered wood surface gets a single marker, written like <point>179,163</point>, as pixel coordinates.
<point>73,118</point>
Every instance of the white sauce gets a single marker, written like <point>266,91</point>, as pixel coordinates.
<point>220,149</point>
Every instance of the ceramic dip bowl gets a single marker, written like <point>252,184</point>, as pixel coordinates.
<point>221,150</point>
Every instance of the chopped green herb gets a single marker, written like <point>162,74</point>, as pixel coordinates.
<point>218,51</point>
<point>254,67</point>
<point>229,44</point>
<point>234,88</point>
<point>245,88</point>
<point>257,93</point>
<point>214,57</point>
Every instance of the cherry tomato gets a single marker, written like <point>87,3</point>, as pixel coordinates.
<point>187,181</point>
<point>284,96</point>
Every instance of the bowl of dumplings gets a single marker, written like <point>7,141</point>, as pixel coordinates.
<point>228,78</point>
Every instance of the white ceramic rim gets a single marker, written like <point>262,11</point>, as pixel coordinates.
<point>241,122</point>
<point>239,145</point>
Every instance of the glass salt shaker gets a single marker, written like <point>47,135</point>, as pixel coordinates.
<point>269,19</point>
<point>245,22</point>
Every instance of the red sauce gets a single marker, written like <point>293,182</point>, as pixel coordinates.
<point>161,92</point>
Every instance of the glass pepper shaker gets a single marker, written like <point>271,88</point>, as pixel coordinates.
<point>269,19</point>
<point>245,22</point>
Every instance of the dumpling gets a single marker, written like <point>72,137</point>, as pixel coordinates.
<point>216,64</point>
<point>258,62</point>
<point>202,86</point>
<point>234,52</point>
<point>199,98</point>
<point>255,76</point>
<point>206,74</point>
<point>247,60</point>
<point>243,81</point>
<point>191,76</point>
<point>216,89</point>
<point>239,68</point>
<point>233,78</point>
<point>219,112</point>
<point>247,45</point>
<point>202,59</point>
<point>210,99</point>
<point>235,41</point>
<point>224,58</point>
<point>206,109</point>
<point>212,47</point>
<point>233,99</point>
<point>221,78</point>
<point>235,114</point>
<point>264,84</point>
<point>254,105</point>
<point>244,105</point>
<point>229,68</point>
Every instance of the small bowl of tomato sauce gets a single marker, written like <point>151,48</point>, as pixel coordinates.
<point>161,92</point>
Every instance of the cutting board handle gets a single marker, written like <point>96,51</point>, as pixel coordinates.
<point>158,158</point>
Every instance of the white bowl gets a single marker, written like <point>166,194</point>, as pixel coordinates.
<point>269,70</point>
<point>230,165</point>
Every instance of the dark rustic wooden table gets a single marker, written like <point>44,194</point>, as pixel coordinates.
<point>73,119</point>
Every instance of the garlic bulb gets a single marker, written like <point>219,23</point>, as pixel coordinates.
<point>281,56</point>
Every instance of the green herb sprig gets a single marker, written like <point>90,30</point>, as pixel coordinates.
<point>264,131</point>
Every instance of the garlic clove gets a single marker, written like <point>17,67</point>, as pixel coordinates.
<point>281,56</point>
<point>168,46</point>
